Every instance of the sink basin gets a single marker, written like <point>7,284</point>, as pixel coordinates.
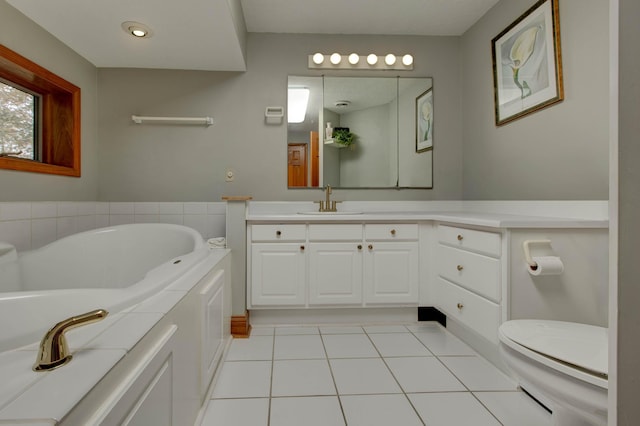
<point>329,213</point>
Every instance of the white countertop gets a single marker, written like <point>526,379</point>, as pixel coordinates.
<point>592,214</point>
<point>42,398</point>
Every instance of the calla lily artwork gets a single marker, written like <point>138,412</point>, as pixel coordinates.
<point>424,121</point>
<point>527,63</point>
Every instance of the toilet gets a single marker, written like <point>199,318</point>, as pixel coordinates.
<point>563,364</point>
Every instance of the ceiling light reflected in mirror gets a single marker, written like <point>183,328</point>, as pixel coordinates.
<point>297,102</point>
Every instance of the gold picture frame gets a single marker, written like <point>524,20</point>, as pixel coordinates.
<point>527,63</point>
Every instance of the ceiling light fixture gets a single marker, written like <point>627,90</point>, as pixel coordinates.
<point>297,104</point>
<point>137,29</point>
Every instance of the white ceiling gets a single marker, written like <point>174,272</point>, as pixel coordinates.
<point>206,34</point>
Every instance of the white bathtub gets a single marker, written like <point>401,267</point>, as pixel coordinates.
<point>111,268</point>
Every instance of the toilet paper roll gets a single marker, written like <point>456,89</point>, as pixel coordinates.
<point>546,265</point>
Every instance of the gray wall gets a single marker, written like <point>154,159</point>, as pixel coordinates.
<point>629,211</point>
<point>31,41</point>
<point>163,163</point>
<point>558,153</point>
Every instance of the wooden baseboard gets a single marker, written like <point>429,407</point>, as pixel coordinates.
<point>240,327</point>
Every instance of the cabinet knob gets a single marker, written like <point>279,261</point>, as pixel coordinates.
<point>302,248</point>
<point>278,233</point>
<point>393,232</point>
<point>460,237</point>
<point>459,267</point>
<point>460,306</point>
<point>370,246</point>
<point>359,246</point>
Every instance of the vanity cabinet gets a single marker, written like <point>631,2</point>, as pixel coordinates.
<point>391,265</point>
<point>468,286</point>
<point>331,265</point>
<point>335,264</point>
<point>278,265</point>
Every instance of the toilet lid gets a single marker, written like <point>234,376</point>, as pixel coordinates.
<point>582,345</point>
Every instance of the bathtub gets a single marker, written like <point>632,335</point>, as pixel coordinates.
<point>112,268</point>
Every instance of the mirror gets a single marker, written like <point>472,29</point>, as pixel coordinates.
<point>389,118</point>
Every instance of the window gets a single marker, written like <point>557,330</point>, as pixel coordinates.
<point>39,118</point>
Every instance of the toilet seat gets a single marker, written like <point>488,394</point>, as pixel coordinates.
<point>578,350</point>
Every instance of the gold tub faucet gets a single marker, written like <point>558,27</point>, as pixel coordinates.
<point>54,349</point>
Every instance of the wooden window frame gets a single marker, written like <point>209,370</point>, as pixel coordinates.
<point>60,116</point>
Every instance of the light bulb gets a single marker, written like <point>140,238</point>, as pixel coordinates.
<point>318,58</point>
<point>335,58</point>
<point>372,59</point>
<point>354,58</point>
<point>407,60</point>
<point>390,59</point>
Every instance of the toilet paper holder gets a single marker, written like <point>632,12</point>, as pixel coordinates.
<point>527,253</point>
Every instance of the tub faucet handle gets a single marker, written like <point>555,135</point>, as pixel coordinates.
<point>54,350</point>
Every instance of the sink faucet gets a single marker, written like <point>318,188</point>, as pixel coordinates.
<point>54,350</point>
<point>327,205</point>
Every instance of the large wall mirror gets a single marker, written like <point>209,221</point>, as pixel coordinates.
<point>360,132</point>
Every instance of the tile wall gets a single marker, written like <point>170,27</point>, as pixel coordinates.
<point>30,225</point>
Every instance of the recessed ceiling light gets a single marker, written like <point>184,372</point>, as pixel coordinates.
<point>137,29</point>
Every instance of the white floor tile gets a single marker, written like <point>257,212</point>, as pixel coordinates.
<point>363,376</point>
<point>307,411</point>
<point>515,408</point>
<point>349,346</point>
<point>386,329</point>
<point>298,347</point>
<point>379,410</point>
<point>243,379</point>
<point>423,375</point>
<point>451,409</point>
<point>478,374</point>
<point>262,331</point>
<point>338,329</point>
<point>302,378</point>
<point>423,326</point>
<point>286,331</point>
<point>237,412</point>
<point>399,344</point>
<point>441,342</point>
<point>254,348</point>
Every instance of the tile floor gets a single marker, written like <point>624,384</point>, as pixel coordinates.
<point>371,375</point>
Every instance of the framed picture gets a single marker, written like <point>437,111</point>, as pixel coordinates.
<point>527,63</point>
<point>424,121</point>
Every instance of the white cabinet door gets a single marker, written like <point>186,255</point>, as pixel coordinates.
<point>278,274</point>
<point>335,273</point>
<point>391,272</point>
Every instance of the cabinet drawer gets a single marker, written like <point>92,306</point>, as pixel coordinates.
<point>475,312</point>
<point>337,232</point>
<point>469,239</point>
<point>390,232</point>
<point>278,232</point>
<point>478,273</point>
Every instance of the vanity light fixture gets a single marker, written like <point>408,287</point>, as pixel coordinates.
<point>137,29</point>
<point>390,59</point>
<point>355,61</point>
<point>318,58</point>
<point>297,104</point>
<point>407,60</point>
